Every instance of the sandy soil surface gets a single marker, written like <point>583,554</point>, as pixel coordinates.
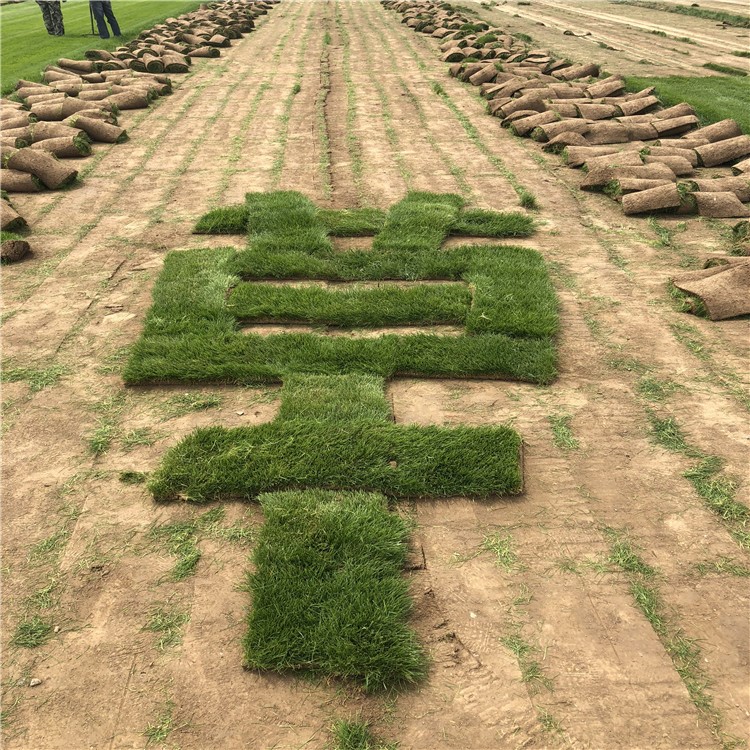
<point>621,37</point>
<point>72,529</point>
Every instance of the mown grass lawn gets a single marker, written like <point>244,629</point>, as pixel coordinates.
<point>27,48</point>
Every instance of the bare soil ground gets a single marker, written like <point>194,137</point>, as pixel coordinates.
<point>73,529</point>
<point>598,24</point>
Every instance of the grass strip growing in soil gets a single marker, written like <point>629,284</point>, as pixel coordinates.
<point>328,593</point>
<point>731,19</point>
<point>508,308</point>
<point>714,98</point>
<point>337,432</point>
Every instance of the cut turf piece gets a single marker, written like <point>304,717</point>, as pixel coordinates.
<point>356,222</point>
<point>328,593</point>
<point>420,222</point>
<point>226,220</point>
<point>383,306</point>
<point>335,432</point>
<point>480,223</point>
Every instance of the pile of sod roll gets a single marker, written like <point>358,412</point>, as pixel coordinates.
<point>79,101</point>
<point>648,158</point>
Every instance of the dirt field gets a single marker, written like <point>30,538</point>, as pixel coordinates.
<point>683,45</point>
<point>72,529</point>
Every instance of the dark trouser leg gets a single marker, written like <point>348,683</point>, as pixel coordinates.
<point>111,18</point>
<point>46,17</point>
<point>98,10</point>
<point>55,12</point>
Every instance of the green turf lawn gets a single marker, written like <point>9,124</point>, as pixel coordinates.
<point>27,48</point>
<point>714,98</point>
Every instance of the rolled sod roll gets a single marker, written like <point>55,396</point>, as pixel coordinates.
<point>685,153</point>
<point>723,293</point>
<point>41,131</point>
<point>485,75</point>
<point>204,52</point>
<point>17,120</point>
<point>547,132</point>
<point>560,142</point>
<point>453,54</point>
<point>129,100</point>
<point>94,96</point>
<point>217,40</point>
<point>596,111</point>
<point>50,76</point>
<point>81,66</point>
<point>51,172</point>
<point>577,71</point>
<point>607,87</point>
<point>72,147</point>
<point>174,63</point>
<point>154,63</point>
<point>525,125</point>
<point>636,106</point>
<point>23,133</point>
<point>723,151</point>
<point>13,250</point>
<point>625,185</point>
<point>742,167</point>
<point>720,205</point>
<point>679,110</point>
<point>678,164</point>
<point>98,130</point>
<point>469,70</point>
<point>599,177</point>
<point>563,108</point>
<point>51,96</point>
<point>59,110</point>
<point>24,91</point>
<point>10,219</point>
<point>719,131</point>
<point>661,198</point>
<point>675,125</point>
<point>92,77</point>
<point>518,115</point>
<point>616,159</point>
<point>684,143</point>
<point>137,64</point>
<point>20,182</point>
<point>98,54</point>
<point>603,133</point>
<point>740,186</point>
<point>6,142</point>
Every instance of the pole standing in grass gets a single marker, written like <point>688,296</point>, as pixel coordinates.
<point>102,9</point>
<point>52,15</point>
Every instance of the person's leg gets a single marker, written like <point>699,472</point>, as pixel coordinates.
<point>46,17</point>
<point>57,19</point>
<point>97,8</point>
<point>111,17</point>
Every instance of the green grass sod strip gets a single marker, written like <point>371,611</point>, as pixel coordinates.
<point>382,306</point>
<point>225,220</point>
<point>356,222</point>
<point>328,593</point>
<point>421,221</point>
<point>481,223</point>
<point>302,449</point>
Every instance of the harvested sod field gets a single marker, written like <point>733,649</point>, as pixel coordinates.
<point>337,415</point>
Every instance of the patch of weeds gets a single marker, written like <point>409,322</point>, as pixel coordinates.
<point>567,565</point>
<point>625,555</point>
<point>138,437</point>
<point>690,337</point>
<point>501,546</point>
<point>181,540</point>
<point>656,389</point>
<point>562,435</point>
<point>113,363</point>
<point>718,491</point>
<point>168,622</point>
<point>741,53</point>
<point>32,632</point>
<point>49,548</point>
<point>100,440</point>
<point>133,477</point>
<point>37,379</point>
<point>43,598</point>
<point>531,669</point>
<point>163,726</point>
<point>667,433</point>
<point>356,735</point>
<point>549,723</point>
<point>185,403</point>
<point>328,592</point>
<point>723,566</point>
